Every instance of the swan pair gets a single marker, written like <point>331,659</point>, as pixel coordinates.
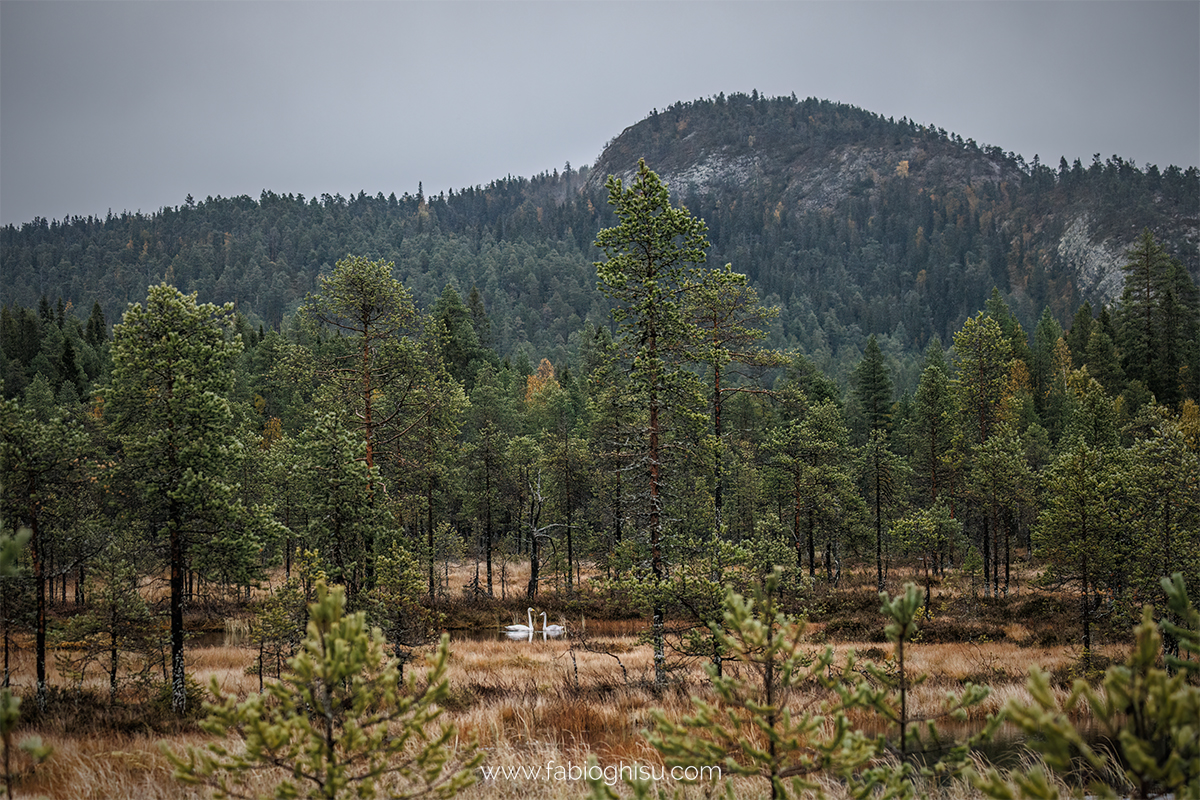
<point>520,631</point>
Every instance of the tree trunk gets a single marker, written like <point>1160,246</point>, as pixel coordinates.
<point>429,539</point>
<point>178,687</point>
<point>1086,611</point>
<point>656,564</point>
<point>39,578</point>
<point>812,552</point>
<point>986,540</point>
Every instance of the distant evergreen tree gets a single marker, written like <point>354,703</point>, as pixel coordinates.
<point>1079,334</point>
<point>1158,322</point>
<point>873,387</point>
<point>461,350</point>
<point>1041,358</point>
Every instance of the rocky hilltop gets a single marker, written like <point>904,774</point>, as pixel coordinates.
<point>801,157</point>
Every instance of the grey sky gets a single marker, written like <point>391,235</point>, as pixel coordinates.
<point>134,105</point>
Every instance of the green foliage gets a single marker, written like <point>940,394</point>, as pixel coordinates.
<point>930,438</point>
<point>983,356</point>
<point>275,630</point>
<point>119,633</point>
<point>697,587</point>
<point>1161,519</point>
<point>809,457</point>
<point>933,534</point>
<point>373,316</point>
<point>1150,713</point>
<point>395,602</point>
<point>652,256</point>
<point>339,724</point>
<point>344,518</point>
<point>759,725</point>
<point>767,721</point>
<point>1078,527</point>
<point>10,705</point>
<point>873,388</point>
<point>1158,321</point>
<point>167,403</point>
<point>45,489</point>
<point>448,547</point>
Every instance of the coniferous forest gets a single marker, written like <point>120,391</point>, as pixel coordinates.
<point>789,349</point>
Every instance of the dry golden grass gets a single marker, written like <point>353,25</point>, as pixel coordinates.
<point>525,703</point>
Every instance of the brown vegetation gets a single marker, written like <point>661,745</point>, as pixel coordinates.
<point>531,703</point>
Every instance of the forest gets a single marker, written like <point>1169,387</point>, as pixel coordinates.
<point>188,460</point>
<point>824,221</point>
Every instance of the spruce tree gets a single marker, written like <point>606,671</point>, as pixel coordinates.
<point>1158,322</point>
<point>1145,275</point>
<point>873,389</point>
<point>932,433</point>
<point>983,355</point>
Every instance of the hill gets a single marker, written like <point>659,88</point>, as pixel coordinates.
<point>854,224</point>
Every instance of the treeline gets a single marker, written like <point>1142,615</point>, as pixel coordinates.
<point>907,254</point>
<point>376,443</point>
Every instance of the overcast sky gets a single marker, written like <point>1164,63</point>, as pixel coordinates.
<point>134,105</point>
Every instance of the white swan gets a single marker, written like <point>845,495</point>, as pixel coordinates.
<point>553,631</point>
<point>522,628</point>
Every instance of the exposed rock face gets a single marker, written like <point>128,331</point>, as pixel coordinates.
<point>805,178</point>
<point>1097,265</point>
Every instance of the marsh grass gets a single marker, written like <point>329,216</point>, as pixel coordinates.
<point>527,703</point>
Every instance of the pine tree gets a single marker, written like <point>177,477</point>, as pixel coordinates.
<point>167,405</point>
<point>652,256</point>
<point>1077,529</point>
<point>344,521</point>
<point>765,723</point>
<point>933,534</point>
<point>1148,712</point>
<point>727,312</point>
<point>1163,522</point>
<point>1001,483</point>
<point>810,446</point>
<point>984,359</point>
<point>338,724</point>
<point>10,706</point>
<point>489,426</point>
<point>376,319</point>
<point>43,461</point>
<point>119,629</point>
